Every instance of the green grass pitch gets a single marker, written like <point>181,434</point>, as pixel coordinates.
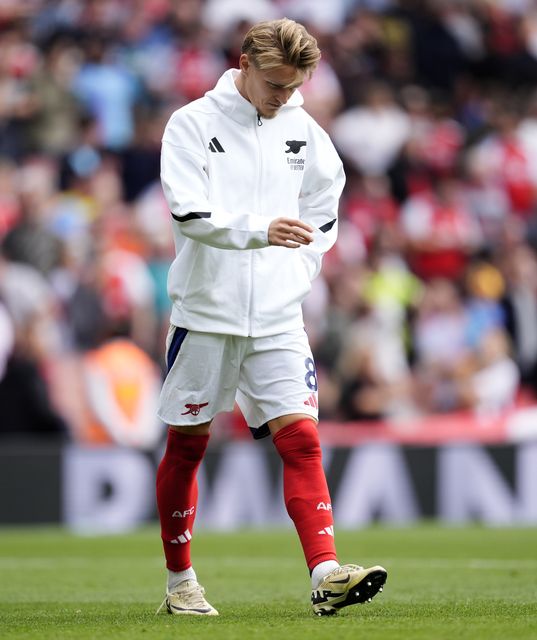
<point>460,582</point>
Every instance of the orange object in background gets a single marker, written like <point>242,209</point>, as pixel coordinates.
<point>121,387</point>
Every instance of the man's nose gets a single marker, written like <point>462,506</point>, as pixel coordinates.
<point>284,94</point>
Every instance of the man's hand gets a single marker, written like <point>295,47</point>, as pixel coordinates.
<point>288,232</point>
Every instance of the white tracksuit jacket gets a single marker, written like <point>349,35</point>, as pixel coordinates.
<point>226,175</point>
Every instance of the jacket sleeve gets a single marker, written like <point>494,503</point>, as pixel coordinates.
<point>319,200</point>
<point>186,187</point>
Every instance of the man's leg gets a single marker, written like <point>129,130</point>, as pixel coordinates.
<point>305,489</point>
<point>177,494</point>
<point>309,505</point>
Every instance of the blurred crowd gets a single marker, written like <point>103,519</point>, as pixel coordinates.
<point>428,302</point>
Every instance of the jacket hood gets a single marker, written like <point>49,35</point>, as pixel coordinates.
<point>227,97</point>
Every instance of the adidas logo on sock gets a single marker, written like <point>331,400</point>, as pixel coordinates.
<point>327,531</point>
<point>183,538</point>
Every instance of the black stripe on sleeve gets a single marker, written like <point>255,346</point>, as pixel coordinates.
<point>326,227</point>
<point>192,216</point>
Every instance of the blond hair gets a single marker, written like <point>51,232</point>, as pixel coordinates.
<point>275,43</point>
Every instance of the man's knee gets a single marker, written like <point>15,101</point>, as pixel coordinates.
<point>298,441</point>
<point>194,430</point>
<point>284,421</point>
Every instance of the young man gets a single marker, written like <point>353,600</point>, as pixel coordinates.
<point>253,185</point>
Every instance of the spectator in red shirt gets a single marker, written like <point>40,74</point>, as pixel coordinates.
<point>439,230</point>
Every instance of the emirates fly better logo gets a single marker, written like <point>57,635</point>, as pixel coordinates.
<point>294,147</point>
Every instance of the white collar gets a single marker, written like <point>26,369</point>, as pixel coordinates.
<point>232,103</point>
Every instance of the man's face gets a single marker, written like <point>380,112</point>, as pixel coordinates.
<point>268,90</point>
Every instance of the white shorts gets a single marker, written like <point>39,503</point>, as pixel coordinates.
<point>207,372</point>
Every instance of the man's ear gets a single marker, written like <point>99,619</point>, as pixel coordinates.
<point>244,63</point>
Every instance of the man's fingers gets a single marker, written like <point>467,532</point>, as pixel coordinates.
<point>303,236</point>
<point>293,239</point>
<point>300,233</point>
<point>297,236</point>
<point>291,233</point>
<point>299,224</point>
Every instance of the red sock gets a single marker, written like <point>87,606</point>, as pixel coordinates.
<point>305,490</point>
<point>177,495</point>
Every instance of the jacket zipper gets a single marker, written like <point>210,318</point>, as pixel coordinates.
<point>257,211</point>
